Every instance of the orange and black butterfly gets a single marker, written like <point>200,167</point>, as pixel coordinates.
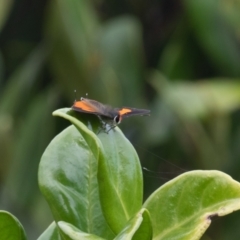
<point>107,114</point>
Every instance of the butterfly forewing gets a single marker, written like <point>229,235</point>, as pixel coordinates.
<point>93,107</point>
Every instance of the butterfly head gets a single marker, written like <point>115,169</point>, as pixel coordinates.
<point>117,119</point>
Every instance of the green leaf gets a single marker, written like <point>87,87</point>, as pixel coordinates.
<point>145,230</point>
<point>122,51</point>
<point>119,171</point>
<point>71,34</point>
<point>214,34</point>
<point>120,179</point>
<point>5,7</point>
<point>179,58</point>
<point>183,208</point>
<point>200,99</point>
<point>139,227</point>
<point>68,180</point>
<point>21,83</point>
<point>51,233</point>
<point>2,69</point>
<point>231,14</point>
<point>10,227</point>
<point>13,98</point>
<point>75,234</point>
<point>38,122</point>
<point>88,122</point>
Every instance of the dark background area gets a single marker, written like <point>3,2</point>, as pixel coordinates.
<point>180,59</point>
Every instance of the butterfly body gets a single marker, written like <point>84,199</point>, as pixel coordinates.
<point>107,114</point>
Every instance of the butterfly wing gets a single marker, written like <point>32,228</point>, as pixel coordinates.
<point>127,112</point>
<point>93,107</point>
<point>114,114</point>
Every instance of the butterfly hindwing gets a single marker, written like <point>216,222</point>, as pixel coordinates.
<point>127,112</point>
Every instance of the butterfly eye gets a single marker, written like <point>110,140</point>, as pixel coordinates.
<point>117,119</point>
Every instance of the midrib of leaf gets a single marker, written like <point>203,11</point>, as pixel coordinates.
<point>116,187</point>
<point>91,191</point>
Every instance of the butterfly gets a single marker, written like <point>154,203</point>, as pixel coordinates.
<point>106,114</point>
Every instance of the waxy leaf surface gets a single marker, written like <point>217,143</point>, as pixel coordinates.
<point>182,209</point>
<point>82,162</point>
<point>10,227</point>
<point>68,180</point>
<point>138,228</point>
<point>51,233</point>
<point>73,233</point>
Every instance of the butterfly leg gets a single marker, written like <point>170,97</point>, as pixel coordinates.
<point>112,126</point>
<point>104,124</point>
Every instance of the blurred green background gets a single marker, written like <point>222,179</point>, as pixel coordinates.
<point>181,59</point>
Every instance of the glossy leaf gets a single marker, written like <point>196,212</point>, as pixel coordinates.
<point>10,227</point>
<point>139,227</point>
<point>88,125</point>
<point>119,171</point>
<point>51,233</point>
<point>145,230</point>
<point>75,234</point>
<point>120,179</point>
<point>68,180</point>
<point>182,209</point>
